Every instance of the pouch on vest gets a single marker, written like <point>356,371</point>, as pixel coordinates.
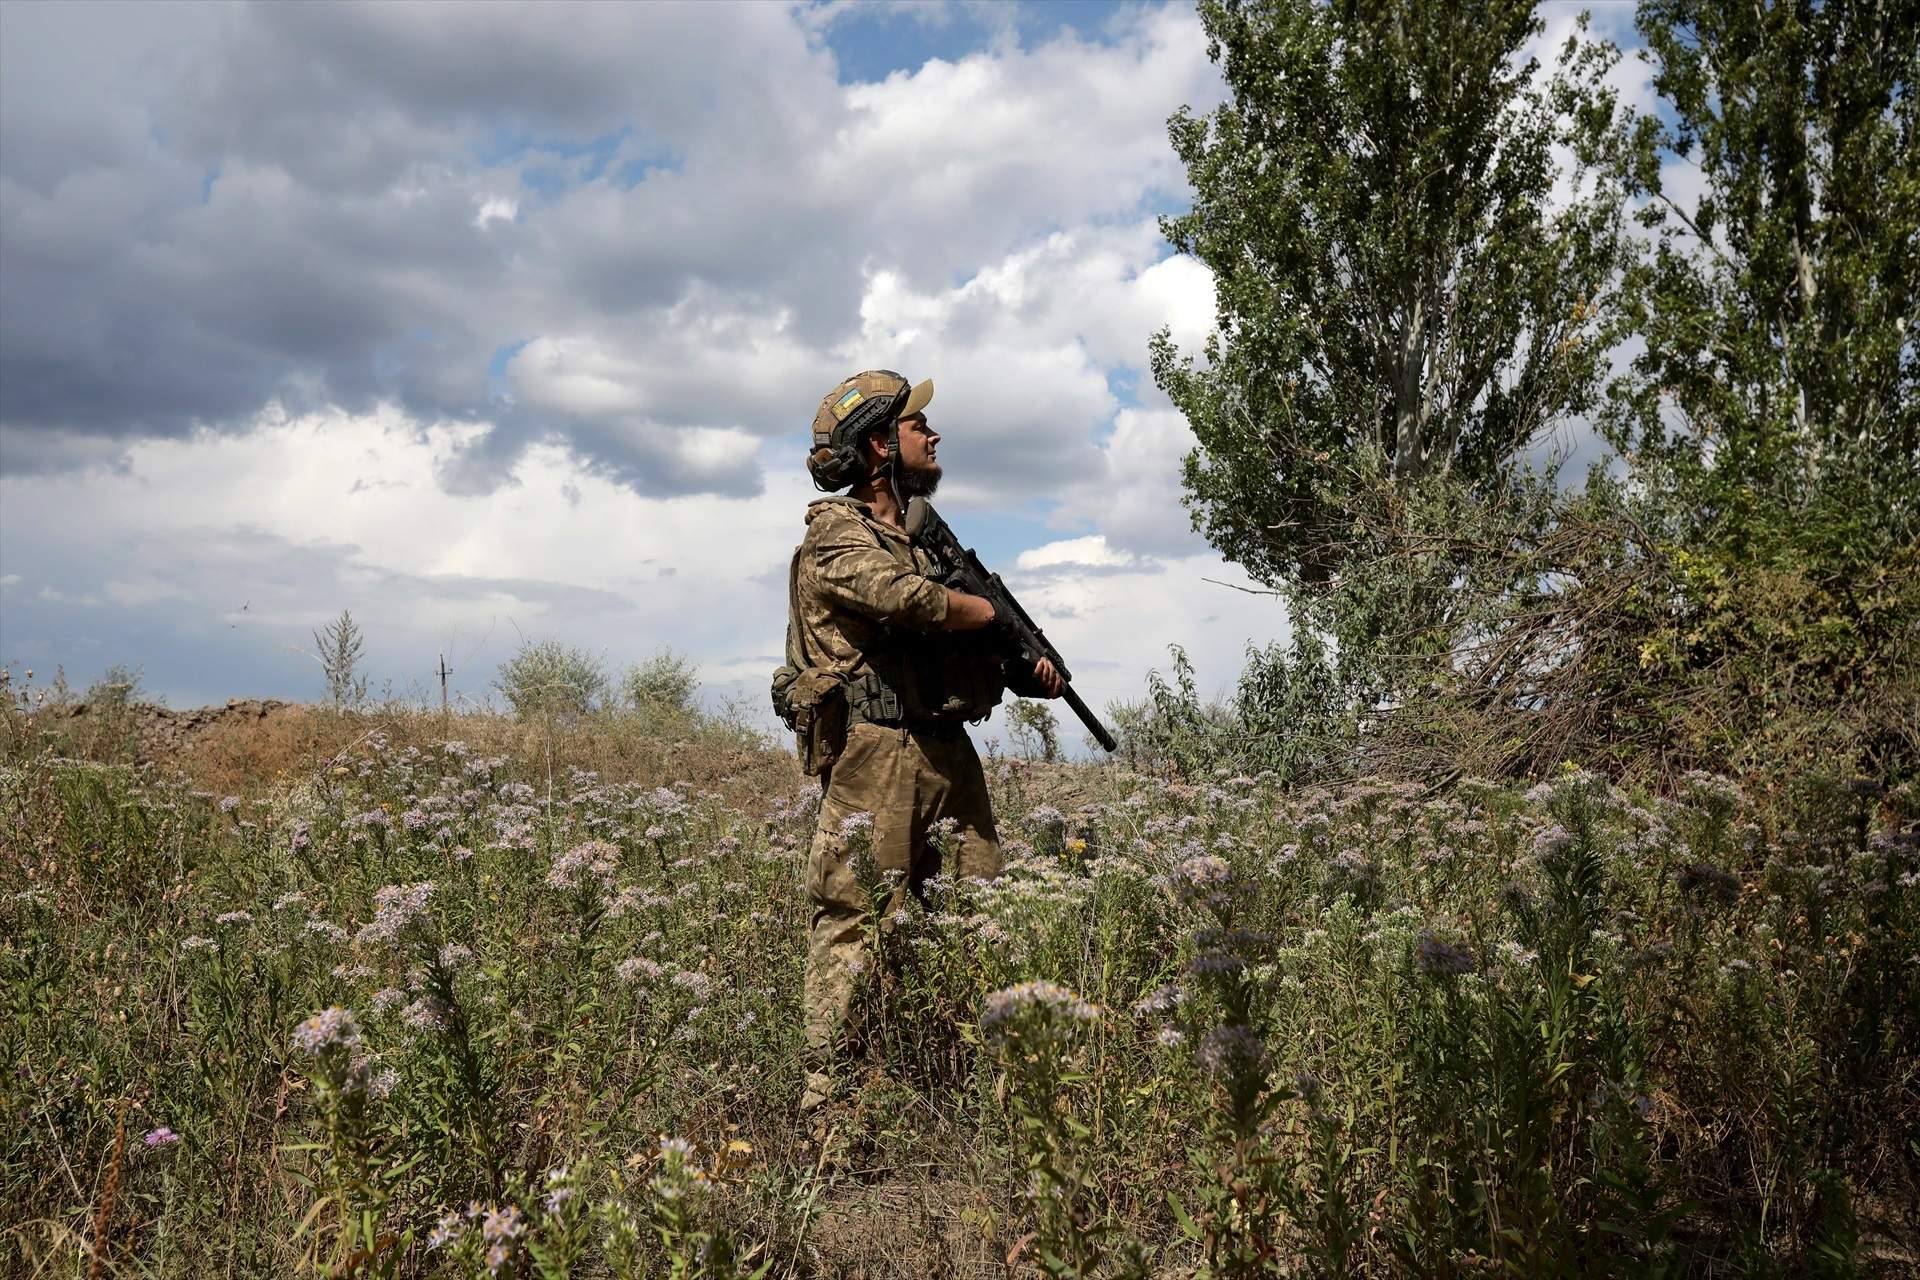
<point>813,702</point>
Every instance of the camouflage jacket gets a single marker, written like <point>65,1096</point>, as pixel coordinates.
<point>865,604</point>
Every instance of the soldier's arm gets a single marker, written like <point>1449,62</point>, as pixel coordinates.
<point>965,612</point>
<point>850,571</point>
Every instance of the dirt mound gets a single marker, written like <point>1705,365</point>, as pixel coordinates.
<point>162,732</point>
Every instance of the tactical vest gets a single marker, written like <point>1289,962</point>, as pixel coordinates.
<point>927,681</point>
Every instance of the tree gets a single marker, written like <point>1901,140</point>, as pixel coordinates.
<point>1399,296</point>
<point>340,645</point>
<point>1776,398</point>
<point>1771,421</point>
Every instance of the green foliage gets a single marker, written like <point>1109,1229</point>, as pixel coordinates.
<point>340,646</point>
<point>548,677</point>
<point>1034,728</point>
<point>1775,407</point>
<point>114,690</point>
<point>1397,294</point>
<point>663,685</point>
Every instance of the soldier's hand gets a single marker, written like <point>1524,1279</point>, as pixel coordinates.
<point>1049,678</point>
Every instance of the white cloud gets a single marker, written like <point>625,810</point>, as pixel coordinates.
<point>496,209</point>
<point>1091,551</point>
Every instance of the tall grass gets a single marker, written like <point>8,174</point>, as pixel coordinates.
<point>432,1007</point>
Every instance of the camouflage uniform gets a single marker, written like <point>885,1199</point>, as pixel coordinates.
<point>865,606</point>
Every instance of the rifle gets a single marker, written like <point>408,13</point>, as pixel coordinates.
<point>964,572</point>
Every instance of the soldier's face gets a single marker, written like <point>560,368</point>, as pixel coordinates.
<point>919,465</point>
<point>919,444</point>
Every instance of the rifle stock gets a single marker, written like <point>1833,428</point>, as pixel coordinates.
<point>964,572</point>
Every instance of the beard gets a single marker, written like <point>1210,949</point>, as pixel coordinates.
<point>919,482</point>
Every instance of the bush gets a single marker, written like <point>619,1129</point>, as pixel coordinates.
<point>547,677</point>
<point>666,682</point>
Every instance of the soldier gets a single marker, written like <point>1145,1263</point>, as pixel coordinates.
<point>907,662</point>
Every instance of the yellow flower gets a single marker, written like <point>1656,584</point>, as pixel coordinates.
<point>1076,845</point>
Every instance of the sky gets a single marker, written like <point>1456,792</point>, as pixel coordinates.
<point>498,322</point>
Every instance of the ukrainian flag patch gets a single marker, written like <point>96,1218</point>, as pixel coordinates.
<point>846,404</point>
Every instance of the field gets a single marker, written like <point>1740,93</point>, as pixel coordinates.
<point>397,996</point>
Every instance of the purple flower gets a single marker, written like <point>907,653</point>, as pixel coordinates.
<point>327,1029</point>
<point>394,908</point>
<point>161,1137</point>
<point>596,859</point>
<point>425,1014</point>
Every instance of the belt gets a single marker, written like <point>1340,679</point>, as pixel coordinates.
<point>870,700</point>
<point>920,726</point>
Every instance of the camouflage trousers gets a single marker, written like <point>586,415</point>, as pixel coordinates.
<point>907,781</point>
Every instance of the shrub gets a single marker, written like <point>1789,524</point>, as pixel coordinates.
<point>664,684</point>
<point>549,678</point>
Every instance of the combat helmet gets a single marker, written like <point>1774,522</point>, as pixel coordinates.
<point>866,402</point>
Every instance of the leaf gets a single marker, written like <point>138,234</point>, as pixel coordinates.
<point>1188,1226</point>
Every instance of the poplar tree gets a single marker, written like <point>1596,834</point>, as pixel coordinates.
<point>1409,257</point>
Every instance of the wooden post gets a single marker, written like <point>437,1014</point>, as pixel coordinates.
<point>444,673</point>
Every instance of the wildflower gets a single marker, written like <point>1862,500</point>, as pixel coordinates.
<point>286,901</point>
<point>559,1191</point>
<point>1203,871</point>
<point>856,824</point>
<point>198,943</point>
<point>1159,1000</point>
<point>1215,962</point>
<point>229,803</point>
<point>697,983</point>
<point>1232,1051</point>
<point>386,998</point>
<point>425,1014</point>
<point>446,1231</point>
<point>1439,959</point>
<point>234,917</point>
<point>1551,842</point>
<point>161,1137</point>
<point>352,972</point>
<point>497,1256</point>
<point>596,859</point>
<point>324,1030</point>
<point>395,907</point>
<point>383,1082</point>
<point>1517,954</point>
<point>636,968</point>
<point>454,955</point>
<point>1047,818</point>
<point>1047,1000</point>
<point>326,929</point>
<point>504,1224</point>
<point>1170,1037</point>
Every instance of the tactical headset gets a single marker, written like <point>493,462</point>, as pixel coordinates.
<point>838,458</point>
